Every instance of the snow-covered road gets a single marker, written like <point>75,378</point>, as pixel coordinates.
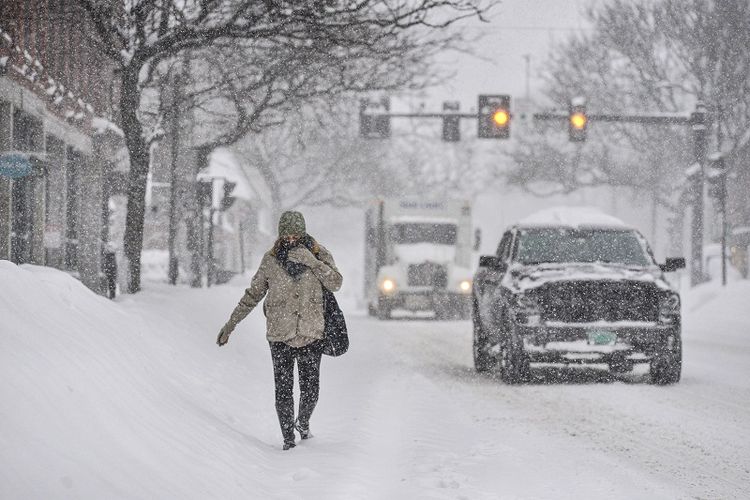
<point>581,432</point>
<point>133,399</point>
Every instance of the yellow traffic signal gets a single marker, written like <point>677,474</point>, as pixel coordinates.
<point>501,117</point>
<point>494,117</point>
<point>578,120</point>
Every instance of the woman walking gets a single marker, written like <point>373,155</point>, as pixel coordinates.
<point>292,274</point>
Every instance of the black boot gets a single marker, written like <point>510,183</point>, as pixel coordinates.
<point>303,429</point>
<point>288,445</point>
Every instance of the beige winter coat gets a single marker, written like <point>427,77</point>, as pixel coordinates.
<point>293,307</point>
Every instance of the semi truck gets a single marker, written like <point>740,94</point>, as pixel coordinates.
<point>418,256</point>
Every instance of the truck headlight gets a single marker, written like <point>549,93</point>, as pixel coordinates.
<point>669,307</point>
<point>528,311</point>
<point>388,285</point>
<point>465,286</point>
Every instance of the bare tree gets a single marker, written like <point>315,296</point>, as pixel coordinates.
<point>426,165</point>
<point>139,34</point>
<point>319,159</point>
<point>645,56</point>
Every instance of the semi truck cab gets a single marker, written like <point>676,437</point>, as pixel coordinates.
<point>418,256</point>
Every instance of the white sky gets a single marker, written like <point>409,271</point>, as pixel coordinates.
<point>516,28</point>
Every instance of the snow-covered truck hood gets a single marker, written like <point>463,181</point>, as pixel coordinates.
<point>528,277</point>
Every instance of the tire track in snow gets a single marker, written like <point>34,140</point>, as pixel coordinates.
<point>646,441</point>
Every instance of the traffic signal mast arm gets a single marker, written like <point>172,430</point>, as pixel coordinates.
<point>660,118</point>
<point>677,118</point>
<point>425,115</point>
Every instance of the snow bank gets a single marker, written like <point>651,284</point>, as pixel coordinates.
<point>132,399</point>
<point>718,315</point>
<point>573,217</point>
<point>108,400</point>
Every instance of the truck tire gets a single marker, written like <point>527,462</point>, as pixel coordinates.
<point>483,360</point>
<point>514,363</point>
<point>666,365</point>
<point>383,312</point>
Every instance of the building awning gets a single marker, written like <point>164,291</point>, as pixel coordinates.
<point>16,165</point>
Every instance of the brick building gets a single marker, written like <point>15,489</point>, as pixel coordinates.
<point>58,109</point>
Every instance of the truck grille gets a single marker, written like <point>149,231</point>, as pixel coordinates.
<point>588,301</point>
<point>427,274</point>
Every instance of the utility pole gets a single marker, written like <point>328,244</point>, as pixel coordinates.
<point>698,123</point>
<point>174,124</point>
<point>724,232</point>
<point>242,247</point>
<point>210,251</point>
<point>717,190</point>
<point>723,194</point>
<point>527,58</point>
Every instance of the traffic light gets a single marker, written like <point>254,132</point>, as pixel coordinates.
<point>494,117</point>
<point>451,123</point>
<point>228,200</point>
<point>374,121</point>
<point>578,121</point>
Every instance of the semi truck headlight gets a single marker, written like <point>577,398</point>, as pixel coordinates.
<point>465,286</point>
<point>669,307</point>
<point>388,285</point>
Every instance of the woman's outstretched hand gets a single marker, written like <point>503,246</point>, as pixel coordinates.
<point>223,337</point>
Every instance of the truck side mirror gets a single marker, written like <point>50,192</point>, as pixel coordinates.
<point>673,264</point>
<point>492,263</point>
<point>477,239</point>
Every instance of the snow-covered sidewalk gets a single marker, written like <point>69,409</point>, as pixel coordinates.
<point>133,399</point>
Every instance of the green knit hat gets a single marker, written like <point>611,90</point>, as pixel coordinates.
<point>291,224</point>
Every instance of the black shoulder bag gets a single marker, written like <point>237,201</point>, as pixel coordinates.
<point>335,339</point>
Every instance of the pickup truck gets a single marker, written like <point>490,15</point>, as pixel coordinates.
<point>575,286</point>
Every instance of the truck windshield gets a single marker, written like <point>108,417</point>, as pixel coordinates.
<point>423,232</point>
<point>537,246</point>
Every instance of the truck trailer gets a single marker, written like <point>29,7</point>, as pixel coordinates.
<point>418,256</point>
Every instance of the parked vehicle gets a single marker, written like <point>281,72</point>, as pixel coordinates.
<point>575,286</point>
<point>418,257</point>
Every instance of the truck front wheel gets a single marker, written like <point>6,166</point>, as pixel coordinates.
<point>514,363</point>
<point>666,365</point>
<point>482,358</point>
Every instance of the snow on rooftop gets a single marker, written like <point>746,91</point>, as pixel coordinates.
<point>572,217</point>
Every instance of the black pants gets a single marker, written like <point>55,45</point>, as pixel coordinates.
<point>308,365</point>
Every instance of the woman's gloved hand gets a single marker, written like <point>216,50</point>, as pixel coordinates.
<point>223,337</point>
<point>302,255</point>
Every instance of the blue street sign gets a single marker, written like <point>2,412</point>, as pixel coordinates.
<point>15,165</point>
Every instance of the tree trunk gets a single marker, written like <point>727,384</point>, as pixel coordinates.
<point>138,176</point>
<point>273,184</point>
